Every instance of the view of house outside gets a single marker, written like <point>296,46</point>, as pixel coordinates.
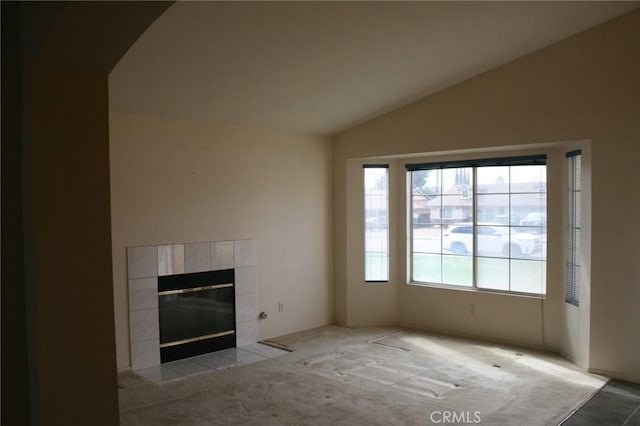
<point>496,225</point>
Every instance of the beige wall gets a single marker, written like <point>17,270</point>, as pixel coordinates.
<point>501,317</point>
<point>187,181</point>
<point>583,88</point>
<point>370,303</point>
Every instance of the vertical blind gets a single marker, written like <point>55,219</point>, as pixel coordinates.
<point>574,224</point>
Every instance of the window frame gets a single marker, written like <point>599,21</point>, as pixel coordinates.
<point>474,164</point>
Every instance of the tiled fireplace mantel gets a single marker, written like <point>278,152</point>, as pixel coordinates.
<point>145,264</point>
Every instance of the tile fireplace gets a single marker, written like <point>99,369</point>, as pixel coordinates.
<point>192,298</point>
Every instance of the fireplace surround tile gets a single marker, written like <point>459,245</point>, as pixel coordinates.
<point>222,255</point>
<point>247,332</point>
<point>142,262</point>
<point>145,354</point>
<point>143,294</point>
<point>144,325</point>
<point>246,280</point>
<point>246,307</point>
<point>171,259</point>
<point>197,257</point>
<point>146,263</point>
<point>245,253</point>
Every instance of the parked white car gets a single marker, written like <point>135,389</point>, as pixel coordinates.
<point>534,219</point>
<point>492,240</point>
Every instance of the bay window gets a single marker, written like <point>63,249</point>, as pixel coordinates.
<point>479,224</point>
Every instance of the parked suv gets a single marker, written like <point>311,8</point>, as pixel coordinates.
<point>492,240</point>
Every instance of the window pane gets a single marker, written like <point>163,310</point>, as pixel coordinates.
<point>456,209</point>
<point>529,179</point>
<point>376,215</point>
<point>456,179</point>
<point>427,268</point>
<point>457,270</point>
<point>528,276</point>
<point>525,243</point>
<point>376,266</point>
<point>493,180</point>
<point>492,273</point>
<point>492,241</point>
<point>528,210</point>
<point>441,199</point>
<point>425,211</point>
<point>458,239</point>
<point>427,240</point>
<point>426,182</point>
<point>532,242</point>
<point>493,208</point>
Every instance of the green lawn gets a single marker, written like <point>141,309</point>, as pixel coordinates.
<point>376,266</point>
<point>527,276</point>
<point>435,268</point>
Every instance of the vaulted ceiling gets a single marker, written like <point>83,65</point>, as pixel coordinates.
<point>321,67</point>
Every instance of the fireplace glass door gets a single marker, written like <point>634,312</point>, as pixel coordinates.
<point>196,318</point>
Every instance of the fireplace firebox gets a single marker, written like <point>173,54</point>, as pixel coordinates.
<point>196,313</point>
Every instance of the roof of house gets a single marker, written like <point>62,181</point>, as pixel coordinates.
<point>522,194</point>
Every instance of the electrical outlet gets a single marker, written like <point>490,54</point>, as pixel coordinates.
<point>472,308</point>
<point>280,307</point>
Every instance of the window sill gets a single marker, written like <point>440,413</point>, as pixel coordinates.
<point>478,290</point>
